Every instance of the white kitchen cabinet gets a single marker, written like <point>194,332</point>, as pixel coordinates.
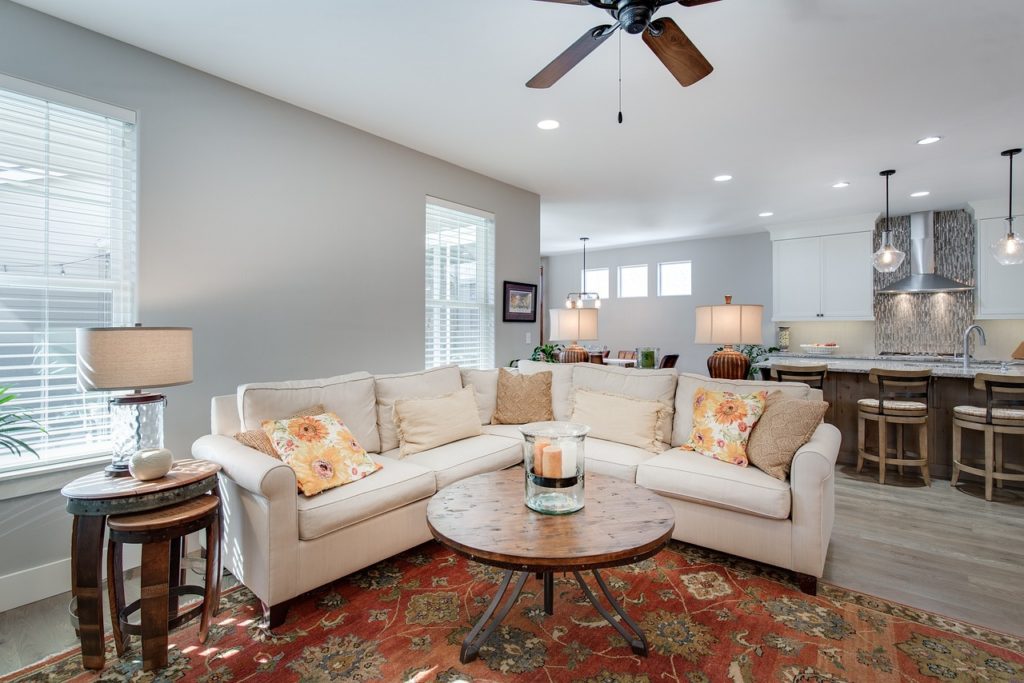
<point>822,278</point>
<point>1000,291</point>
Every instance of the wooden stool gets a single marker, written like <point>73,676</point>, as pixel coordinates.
<point>1000,416</point>
<point>160,532</point>
<point>812,375</point>
<point>903,399</point>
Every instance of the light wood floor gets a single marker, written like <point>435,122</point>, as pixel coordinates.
<point>939,549</point>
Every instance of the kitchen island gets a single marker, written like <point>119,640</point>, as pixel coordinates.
<point>952,385</point>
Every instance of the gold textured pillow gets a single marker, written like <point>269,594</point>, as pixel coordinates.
<point>258,439</point>
<point>523,398</point>
<point>786,425</point>
<point>425,423</point>
<point>722,421</point>
<point>321,450</point>
<point>622,419</point>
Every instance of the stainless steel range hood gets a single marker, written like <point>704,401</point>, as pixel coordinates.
<point>923,278</point>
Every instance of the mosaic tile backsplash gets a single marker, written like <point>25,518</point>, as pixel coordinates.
<point>927,323</point>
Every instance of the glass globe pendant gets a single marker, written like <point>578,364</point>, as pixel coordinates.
<point>1009,249</point>
<point>888,258</point>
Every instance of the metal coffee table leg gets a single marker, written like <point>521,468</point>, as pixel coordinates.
<point>475,639</point>
<point>549,593</point>
<point>639,643</point>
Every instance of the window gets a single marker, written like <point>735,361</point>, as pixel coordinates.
<point>459,286</point>
<point>595,280</point>
<point>67,259</point>
<point>632,281</point>
<point>674,279</point>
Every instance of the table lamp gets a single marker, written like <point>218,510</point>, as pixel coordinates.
<point>729,324</point>
<point>133,358</point>
<point>574,324</point>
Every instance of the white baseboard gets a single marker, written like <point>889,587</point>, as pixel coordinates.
<point>30,585</point>
<point>37,583</point>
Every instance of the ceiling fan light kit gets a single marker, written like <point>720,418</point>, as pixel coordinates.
<point>663,36</point>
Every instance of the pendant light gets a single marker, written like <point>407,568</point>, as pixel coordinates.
<point>888,258</point>
<point>583,299</point>
<point>1009,250</point>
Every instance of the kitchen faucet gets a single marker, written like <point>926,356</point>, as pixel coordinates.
<point>967,339</point>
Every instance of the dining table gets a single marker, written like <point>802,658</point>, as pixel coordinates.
<point>621,362</point>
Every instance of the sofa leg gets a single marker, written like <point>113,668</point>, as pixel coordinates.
<point>807,583</point>
<point>274,615</point>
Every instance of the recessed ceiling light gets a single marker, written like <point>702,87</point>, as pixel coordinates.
<point>841,184</point>
<point>931,139</point>
<point>766,214</point>
<point>725,177</point>
<point>922,193</point>
<point>548,124</point>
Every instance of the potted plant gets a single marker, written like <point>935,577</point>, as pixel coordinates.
<point>547,353</point>
<point>756,353</point>
<point>14,425</point>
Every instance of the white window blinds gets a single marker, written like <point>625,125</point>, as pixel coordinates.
<point>67,260</point>
<point>459,286</point>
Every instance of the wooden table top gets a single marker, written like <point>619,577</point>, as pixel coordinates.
<point>98,486</point>
<point>484,518</point>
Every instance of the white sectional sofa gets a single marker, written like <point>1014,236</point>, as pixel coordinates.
<point>281,544</point>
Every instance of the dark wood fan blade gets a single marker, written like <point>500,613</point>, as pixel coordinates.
<point>677,52</point>
<point>685,3</point>
<point>564,62</point>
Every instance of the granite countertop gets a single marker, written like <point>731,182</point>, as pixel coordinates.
<point>941,366</point>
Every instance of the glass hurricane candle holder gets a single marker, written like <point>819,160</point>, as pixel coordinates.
<point>554,465</point>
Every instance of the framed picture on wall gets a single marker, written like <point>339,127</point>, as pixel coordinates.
<point>520,303</point>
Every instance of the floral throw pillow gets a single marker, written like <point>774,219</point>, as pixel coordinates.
<point>322,451</point>
<point>722,421</point>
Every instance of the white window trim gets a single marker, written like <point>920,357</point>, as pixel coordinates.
<point>45,92</point>
<point>647,288</point>
<point>675,263</point>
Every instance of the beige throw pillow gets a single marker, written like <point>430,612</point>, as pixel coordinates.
<point>631,421</point>
<point>258,439</point>
<point>425,423</point>
<point>522,398</point>
<point>786,425</point>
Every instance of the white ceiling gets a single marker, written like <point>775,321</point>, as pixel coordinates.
<point>804,93</point>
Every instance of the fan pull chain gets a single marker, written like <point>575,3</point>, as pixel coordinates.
<point>620,77</point>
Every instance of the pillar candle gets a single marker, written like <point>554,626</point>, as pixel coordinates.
<point>569,458</point>
<point>552,462</point>
<point>538,456</point>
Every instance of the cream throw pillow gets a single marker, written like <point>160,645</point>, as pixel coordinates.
<point>785,426</point>
<point>425,423</point>
<point>631,421</point>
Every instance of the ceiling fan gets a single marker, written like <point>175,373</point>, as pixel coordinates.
<point>677,52</point>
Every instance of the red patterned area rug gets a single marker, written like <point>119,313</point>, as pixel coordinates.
<point>708,618</point>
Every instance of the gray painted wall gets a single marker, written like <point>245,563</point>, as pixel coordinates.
<point>291,243</point>
<point>741,266</point>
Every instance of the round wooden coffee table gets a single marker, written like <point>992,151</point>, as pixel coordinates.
<point>485,519</point>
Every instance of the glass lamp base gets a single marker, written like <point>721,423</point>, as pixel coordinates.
<point>136,422</point>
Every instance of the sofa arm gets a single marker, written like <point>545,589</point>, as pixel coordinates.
<point>812,483</point>
<point>255,472</point>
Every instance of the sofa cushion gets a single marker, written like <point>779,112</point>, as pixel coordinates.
<point>509,431</point>
<point>722,421</point>
<point>649,385</point>
<point>688,384</point>
<point>523,398</point>
<point>786,425</point>
<point>257,439</point>
<point>623,419</point>
<point>561,384</point>
<point>423,384</point>
<point>425,423</point>
<point>460,459</point>
<point>614,459</point>
<point>351,397</point>
<point>485,384</point>
<point>691,476</point>
<point>396,484</point>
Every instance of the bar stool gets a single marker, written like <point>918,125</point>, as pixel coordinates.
<point>999,417</point>
<point>160,533</point>
<point>812,375</point>
<point>903,399</point>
